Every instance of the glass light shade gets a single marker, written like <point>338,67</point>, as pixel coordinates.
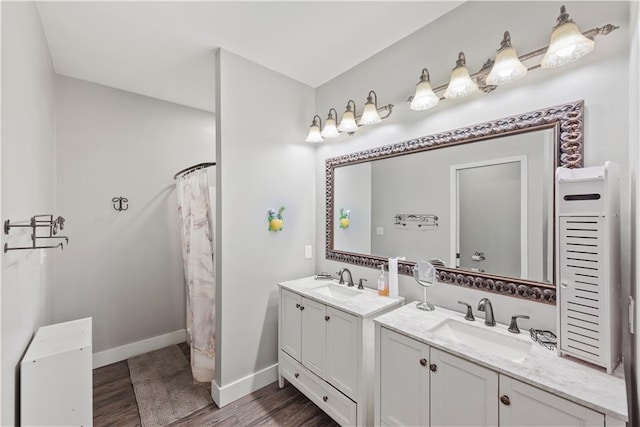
<point>370,114</point>
<point>507,68</point>
<point>348,122</point>
<point>460,84</point>
<point>424,98</point>
<point>314,133</point>
<point>330,130</point>
<point>567,45</point>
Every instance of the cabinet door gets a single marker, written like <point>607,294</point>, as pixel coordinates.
<point>290,323</point>
<point>462,393</point>
<point>524,405</point>
<point>314,336</point>
<point>404,381</point>
<point>342,351</point>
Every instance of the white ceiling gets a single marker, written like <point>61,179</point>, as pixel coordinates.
<point>165,49</point>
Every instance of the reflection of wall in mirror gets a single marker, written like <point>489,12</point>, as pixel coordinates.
<point>419,183</point>
<point>353,192</point>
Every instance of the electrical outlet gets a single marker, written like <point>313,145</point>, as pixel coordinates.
<point>632,317</point>
<point>307,252</point>
<point>380,231</point>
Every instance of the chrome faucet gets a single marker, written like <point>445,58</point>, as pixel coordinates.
<point>341,275</point>
<point>485,305</point>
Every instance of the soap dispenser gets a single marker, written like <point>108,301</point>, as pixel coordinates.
<point>383,286</point>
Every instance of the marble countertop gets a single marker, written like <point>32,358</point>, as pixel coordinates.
<point>367,304</point>
<point>542,368</point>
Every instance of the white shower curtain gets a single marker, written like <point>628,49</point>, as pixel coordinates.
<point>196,216</point>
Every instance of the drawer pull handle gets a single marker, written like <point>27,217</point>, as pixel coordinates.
<point>433,367</point>
<point>296,375</point>
<point>297,305</point>
<point>505,400</point>
<point>423,362</point>
<point>302,307</point>
<point>326,318</point>
<point>325,398</point>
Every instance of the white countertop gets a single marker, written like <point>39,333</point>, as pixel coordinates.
<point>367,304</point>
<point>542,368</point>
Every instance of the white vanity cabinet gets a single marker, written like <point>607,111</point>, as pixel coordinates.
<point>326,348</point>
<point>418,384</point>
<point>462,393</point>
<point>290,324</point>
<point>523,405</point>
<point>421,386</point>
<point>404,381</point>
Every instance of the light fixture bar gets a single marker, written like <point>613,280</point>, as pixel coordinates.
<point>384,109</point>
<point>484,71</point>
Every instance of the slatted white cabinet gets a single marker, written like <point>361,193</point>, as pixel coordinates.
<point>588,239</point>
<point>56,387</point>
<point>583,307</point>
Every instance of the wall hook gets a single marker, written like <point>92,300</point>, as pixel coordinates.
<point>120,203</point>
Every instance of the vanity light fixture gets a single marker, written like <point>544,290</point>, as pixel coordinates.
<point>567,44</point>
<point>330,130</point>
<point>370,114</point>
<point>348,122</point>
<point>424,98</point>
<point>314,130</point>
<point>507,67</point>
<point>460,84</point>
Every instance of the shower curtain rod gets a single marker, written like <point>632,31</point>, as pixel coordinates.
<point>194,167</point>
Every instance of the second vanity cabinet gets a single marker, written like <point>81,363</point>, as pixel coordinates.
<point>326,347</point>
<point>426,386</point>
<point>323,339</point>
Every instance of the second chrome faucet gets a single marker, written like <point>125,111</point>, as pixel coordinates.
<point>485,305</point>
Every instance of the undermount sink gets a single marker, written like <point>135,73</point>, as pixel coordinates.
<point>483,339</point>
<point>340,293</point>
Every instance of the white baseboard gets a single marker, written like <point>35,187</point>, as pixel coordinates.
<point>126,351</point>
<point>229,393</point>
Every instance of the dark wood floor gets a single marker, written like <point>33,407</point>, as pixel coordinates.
<point>114,404</point>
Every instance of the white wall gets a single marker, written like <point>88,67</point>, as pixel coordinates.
<point>264,163</point>
<point>28,186</point>
<point>394,72</point>
<point>123,268</point>
<point>632,258</point>
<point>353,193</point>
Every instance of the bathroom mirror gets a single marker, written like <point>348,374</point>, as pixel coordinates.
<point>479,198</point>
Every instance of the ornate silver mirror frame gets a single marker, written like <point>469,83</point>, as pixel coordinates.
<point>565,120</point>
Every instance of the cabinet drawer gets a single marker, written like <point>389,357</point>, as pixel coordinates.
<point>335,404</point>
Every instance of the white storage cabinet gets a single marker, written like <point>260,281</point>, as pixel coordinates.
<point>56,387</point>
<point>421,385</point>
<point>328,353</point>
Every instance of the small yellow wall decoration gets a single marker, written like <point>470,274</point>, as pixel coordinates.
<point>345,218</point>
<point>275,220</point>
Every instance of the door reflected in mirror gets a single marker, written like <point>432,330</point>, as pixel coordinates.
<point>485,207</point>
